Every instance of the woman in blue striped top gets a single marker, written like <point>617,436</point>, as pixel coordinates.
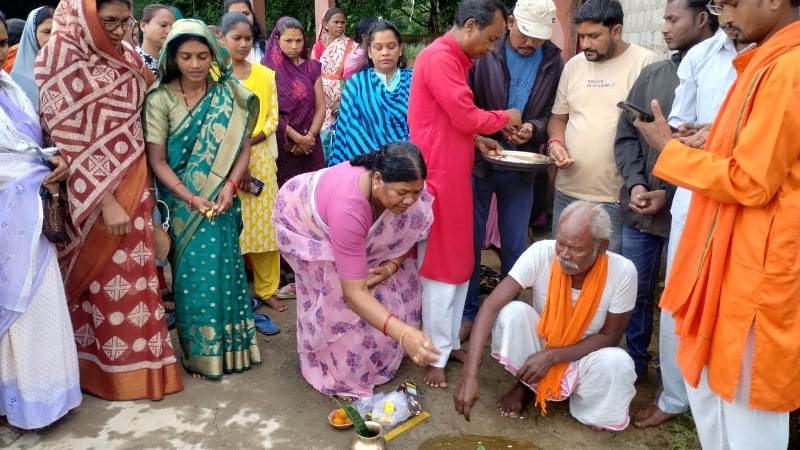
<point>375,100</point>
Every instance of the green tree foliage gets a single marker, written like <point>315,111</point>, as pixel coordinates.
<point>413,17</point>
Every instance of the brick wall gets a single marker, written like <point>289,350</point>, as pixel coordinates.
<point>643,19</point>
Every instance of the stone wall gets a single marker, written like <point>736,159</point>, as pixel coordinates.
<point>643,19</point>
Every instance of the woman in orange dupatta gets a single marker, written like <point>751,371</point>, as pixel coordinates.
<point>92,86</point>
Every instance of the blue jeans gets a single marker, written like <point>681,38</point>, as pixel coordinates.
<point>514,204</point>
<point>644,251</point>
<point>615,243</point>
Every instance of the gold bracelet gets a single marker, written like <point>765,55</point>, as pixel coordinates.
<point>403,336</point>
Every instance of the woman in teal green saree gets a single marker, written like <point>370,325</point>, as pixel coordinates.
<point>197,120</point>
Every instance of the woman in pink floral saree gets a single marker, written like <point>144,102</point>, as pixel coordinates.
<point>347,231</point>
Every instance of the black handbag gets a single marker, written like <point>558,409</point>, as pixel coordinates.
<point>54,225</point>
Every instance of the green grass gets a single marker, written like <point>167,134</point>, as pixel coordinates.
<point>683,435</point>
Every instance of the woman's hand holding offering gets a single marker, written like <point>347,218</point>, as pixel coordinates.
<point>225,198</point>
<point>418,346</point>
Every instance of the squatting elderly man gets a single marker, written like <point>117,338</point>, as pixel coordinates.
<point>566,343</point>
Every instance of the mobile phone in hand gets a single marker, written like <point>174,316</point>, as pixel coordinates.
<point>635,111</point>
<point>255,187</point>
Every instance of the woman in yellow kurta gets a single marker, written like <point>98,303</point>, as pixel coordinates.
<point>258,236</point>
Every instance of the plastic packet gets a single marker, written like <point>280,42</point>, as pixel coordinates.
<point>409,389</point>
<point>391,409</point>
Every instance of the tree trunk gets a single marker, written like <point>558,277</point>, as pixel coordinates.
<point>433,21</point>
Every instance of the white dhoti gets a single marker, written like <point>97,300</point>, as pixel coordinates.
<point>600,386</point>
<point>736,426</point>
<point>673,398</point>
<point>442,308</point>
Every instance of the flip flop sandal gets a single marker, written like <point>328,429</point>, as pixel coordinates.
<point>171,320</point>
<point>487,271</point>
<point>255,303</point>
<point>287,292</point>
<point>264,325</point>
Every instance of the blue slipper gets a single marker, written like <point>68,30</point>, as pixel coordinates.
<point>264,325</point>
<point>255,303</point>
<point>171,320</point>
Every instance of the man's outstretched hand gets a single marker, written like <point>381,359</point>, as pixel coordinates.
<point>466,395</point>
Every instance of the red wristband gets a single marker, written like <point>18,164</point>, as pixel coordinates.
<point>191,202</point>
<point>551,140</point>
<point>176,186</point>
<point>233,183</point>
<point>386,322</point>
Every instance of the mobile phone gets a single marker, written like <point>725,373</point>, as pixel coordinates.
<point>255,187</point>
<point>634,110</point>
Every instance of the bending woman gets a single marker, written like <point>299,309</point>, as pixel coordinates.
<point>347,232</point>
<point>38,362</point>
<point>374,106</point>
<point>301,102</point>
<point>198,145</point>
<point>124,349</point>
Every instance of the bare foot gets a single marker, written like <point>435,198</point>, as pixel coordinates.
<point>511,404</point>
<point>198,376</point>
<point>435,377</point>
<point>459,355</point>
<point>465,330</point>
<point>276,304</point>
<point>651,416</point>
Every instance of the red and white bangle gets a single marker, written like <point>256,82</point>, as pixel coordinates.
<point>556,140</point>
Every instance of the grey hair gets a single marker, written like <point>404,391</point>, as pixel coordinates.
<point>599,220</point>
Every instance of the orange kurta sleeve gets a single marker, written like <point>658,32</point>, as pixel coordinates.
<point>767,148</point>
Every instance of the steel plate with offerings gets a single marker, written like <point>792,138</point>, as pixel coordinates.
<point>521,161</point>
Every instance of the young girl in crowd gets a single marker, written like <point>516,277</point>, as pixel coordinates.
<point>347,231</point>
<point>337,47</point>
<point>375,100</point>
<point>38,361</point>
<point>358,57</point>
<point>153,28</point>
<point>197,129</point>
<point>258,237</point>
<point>34,37</point>
<point>124,348</point>
<point>259,44</point>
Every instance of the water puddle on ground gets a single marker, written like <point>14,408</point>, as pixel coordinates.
<point>470,442</point>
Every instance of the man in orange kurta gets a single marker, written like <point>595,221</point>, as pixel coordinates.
<point>735,284</point>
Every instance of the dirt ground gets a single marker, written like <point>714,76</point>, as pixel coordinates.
<point>272,406</point>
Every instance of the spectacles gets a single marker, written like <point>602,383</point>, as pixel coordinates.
<point>112,24</point>
<point>715,9</point>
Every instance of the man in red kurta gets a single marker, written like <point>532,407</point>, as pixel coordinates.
<point>735,282</point>
<point>445,123</point>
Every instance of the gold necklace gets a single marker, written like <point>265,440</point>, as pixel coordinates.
<point>183,93</point>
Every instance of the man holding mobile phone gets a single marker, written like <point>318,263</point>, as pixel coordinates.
<point>734,286</point>
<point>644,198</point>
<point>583,124</point>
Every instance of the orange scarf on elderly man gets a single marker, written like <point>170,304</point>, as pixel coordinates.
<point>564,323</point>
